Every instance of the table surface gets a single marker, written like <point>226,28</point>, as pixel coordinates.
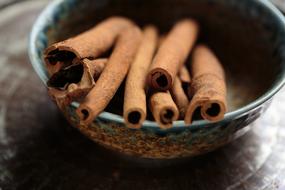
<point>39,150</point>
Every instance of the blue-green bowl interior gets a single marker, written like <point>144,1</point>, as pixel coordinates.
<point>247,36</point>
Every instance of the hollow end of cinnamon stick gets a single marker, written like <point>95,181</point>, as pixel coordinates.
<point>134,118</point>
<point>59,56</point>
<point>208,86</point>
<point>84,73</point>
<point>160,79</point>
<point>163,109</point>
<point>85,115</point>
<point>172,53</point>
<point>193,112</point>
<point>74,82</point>
<point>213,110</point>
<point>69,75</point>
<point>167,116</point>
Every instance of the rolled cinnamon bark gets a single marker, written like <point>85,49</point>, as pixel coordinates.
<point>74,82</point>
<point>208,87</point>
<point>112,77</point>
<point>89,44</point>
<point>163,109</point>
<point>135,96</point>
<point>172,53</point>
<point>179,97</point>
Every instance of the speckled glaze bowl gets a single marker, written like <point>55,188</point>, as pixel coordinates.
<point>247,35</point>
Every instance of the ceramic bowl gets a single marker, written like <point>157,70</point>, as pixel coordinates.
<point>247,36</point>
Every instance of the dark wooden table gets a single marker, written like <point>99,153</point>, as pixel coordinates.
<point>39,150</point>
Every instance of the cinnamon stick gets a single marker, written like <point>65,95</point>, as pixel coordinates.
<point>179,97</point>
<point>112,76</point>
<point>163,109</point>
<point>89,44</point>
<point>172,53</point>
<point>135,96</point>
<point>208,87</point>
<point>74,82</point>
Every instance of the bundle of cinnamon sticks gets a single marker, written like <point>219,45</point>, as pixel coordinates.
<point>156,68</point>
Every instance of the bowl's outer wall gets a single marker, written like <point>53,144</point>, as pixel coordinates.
<point>150,141</point>
<point>174,143</point>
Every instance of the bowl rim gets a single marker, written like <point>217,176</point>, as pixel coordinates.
<point>49,10</point>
